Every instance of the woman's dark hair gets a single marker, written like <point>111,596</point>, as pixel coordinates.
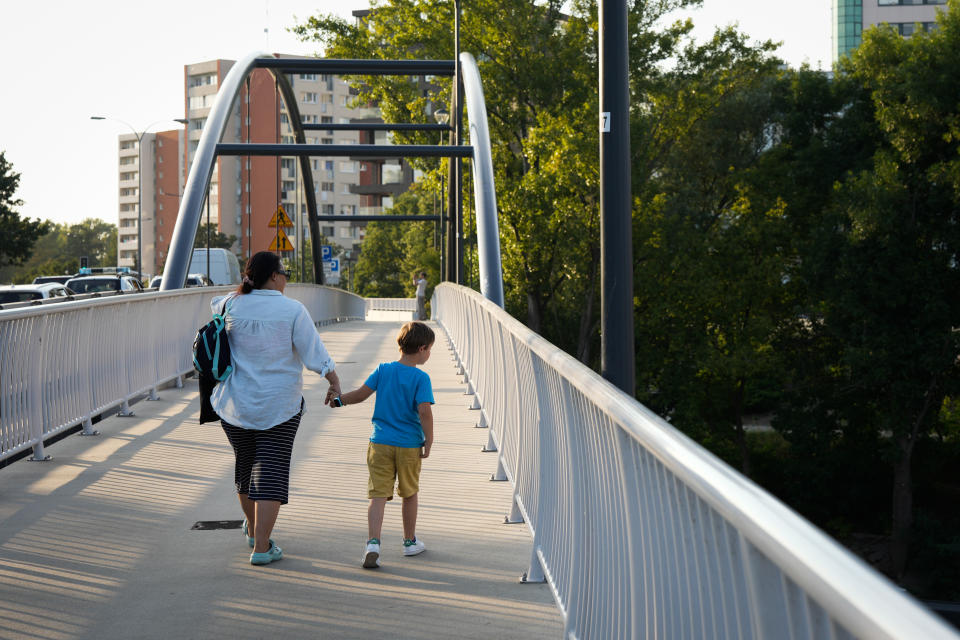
<point>260,267</point>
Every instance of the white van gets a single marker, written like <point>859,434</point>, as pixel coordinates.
<point>224,266</point>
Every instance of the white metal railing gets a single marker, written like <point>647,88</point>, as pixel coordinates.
<point>62,364</point>
<point>639,531</point>
<point>391,304</point>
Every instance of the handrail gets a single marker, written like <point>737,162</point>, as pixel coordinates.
<point>64,364</point>
<point>639,531</point>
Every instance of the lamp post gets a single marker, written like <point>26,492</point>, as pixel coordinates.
<point>139,137</point>
<point>442,116</point>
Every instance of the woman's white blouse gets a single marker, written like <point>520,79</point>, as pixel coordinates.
<point>272,338</point>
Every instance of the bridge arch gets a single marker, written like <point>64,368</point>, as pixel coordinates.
<point>210,147</point>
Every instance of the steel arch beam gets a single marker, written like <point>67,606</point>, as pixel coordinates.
<point>484,193</point>
<point>188,217</point>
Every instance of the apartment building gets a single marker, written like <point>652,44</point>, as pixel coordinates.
<point>851,17</point>
<point>245,191</point>
<point>153,166</point>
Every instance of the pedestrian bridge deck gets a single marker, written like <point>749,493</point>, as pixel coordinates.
<point>97,542</point>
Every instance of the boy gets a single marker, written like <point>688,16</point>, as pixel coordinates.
<point>402,436</point>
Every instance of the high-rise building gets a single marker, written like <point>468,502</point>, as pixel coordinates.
<point>154,166</point>
<point>851,17</point>
<point>245,191</point>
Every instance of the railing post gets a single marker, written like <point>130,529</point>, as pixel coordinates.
<point>36,390</point>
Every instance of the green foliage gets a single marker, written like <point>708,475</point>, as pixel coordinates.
<point>18,234</point>
<point>60,249</point>
<point>217,239</point>
<point>394,251</point>
<point>542,127</point>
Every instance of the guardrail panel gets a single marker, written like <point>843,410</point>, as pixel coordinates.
<point>639,531</point>
<point>62,363</point>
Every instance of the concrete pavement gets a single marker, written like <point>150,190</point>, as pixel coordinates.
<point>97,542</point>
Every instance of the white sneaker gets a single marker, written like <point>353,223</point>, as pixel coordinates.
<point>371,557</point>
<point>413,547</point>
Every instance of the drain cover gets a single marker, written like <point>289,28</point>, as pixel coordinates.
<point>205,525</point>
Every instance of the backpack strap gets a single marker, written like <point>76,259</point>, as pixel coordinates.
<point>224,309</point>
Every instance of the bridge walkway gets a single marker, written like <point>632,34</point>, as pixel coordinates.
<point>97,543</point>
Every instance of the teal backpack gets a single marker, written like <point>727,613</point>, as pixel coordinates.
<point>211,350</point>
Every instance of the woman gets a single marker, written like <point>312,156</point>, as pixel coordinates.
<point>271,339</point>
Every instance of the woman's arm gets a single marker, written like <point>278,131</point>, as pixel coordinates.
<point>313,354</point>
<point>334,389</point>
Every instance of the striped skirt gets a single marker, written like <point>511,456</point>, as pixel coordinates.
<point>263,458</point>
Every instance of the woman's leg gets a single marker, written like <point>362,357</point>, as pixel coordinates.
<point>249,511</point>
<point>270,479</point>
<point>266,517</point>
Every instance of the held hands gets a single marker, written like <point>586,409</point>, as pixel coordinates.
<point>332,394</point>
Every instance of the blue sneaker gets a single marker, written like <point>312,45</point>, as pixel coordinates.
<point>246,532</point>
<point>272,554</point>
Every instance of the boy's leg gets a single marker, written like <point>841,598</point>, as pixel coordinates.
<point>375,517</point>
<point>409,511</point>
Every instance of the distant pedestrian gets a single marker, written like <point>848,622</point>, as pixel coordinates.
<point>402,436</point>
<point>421,284</point>
<point>272,338</point>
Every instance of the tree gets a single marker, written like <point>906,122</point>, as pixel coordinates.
<point>58,252</point>
<point>217,239</point>
<point>393,251</point>
<point>887,273</point>
<point>519,45</point>
<point>19,234</point>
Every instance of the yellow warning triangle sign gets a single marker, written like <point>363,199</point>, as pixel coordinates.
<point>280,219</point>
<point>281,243</point>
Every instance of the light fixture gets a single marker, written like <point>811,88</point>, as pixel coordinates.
<point>441,115</point>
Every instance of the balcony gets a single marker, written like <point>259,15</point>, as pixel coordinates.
<point>392,189</point>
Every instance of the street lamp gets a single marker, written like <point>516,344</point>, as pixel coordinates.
<point>139,137</point>
<point>442,116</point>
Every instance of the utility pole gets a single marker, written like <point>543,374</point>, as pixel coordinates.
<point>616,273</point>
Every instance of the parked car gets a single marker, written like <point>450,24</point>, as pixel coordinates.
<point>28,292</point>
<point>193,280</point>
<point>104,282</point>
<point>56,279</point>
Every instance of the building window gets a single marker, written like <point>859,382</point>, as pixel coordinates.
<point>312,77</point>
<point>348,209</point>
<point>327,211</point>
<point>289,185</point>
<point>348,167</point>
<point>327,231</point>
<point>326,186</point>
<point>310,97</point>
<point>287,163</point>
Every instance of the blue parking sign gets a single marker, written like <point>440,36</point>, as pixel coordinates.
<point>326,252</point>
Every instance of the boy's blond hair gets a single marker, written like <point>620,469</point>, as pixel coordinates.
<point>414,335</point>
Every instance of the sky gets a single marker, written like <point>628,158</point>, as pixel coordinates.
<point>64,61</point>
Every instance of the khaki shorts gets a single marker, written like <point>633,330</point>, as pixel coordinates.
<point>387,464</point>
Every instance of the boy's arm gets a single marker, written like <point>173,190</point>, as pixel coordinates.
<point>353,397</point>
<point>426,421</point>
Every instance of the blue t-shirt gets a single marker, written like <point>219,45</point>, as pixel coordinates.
<point>400,390</point>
